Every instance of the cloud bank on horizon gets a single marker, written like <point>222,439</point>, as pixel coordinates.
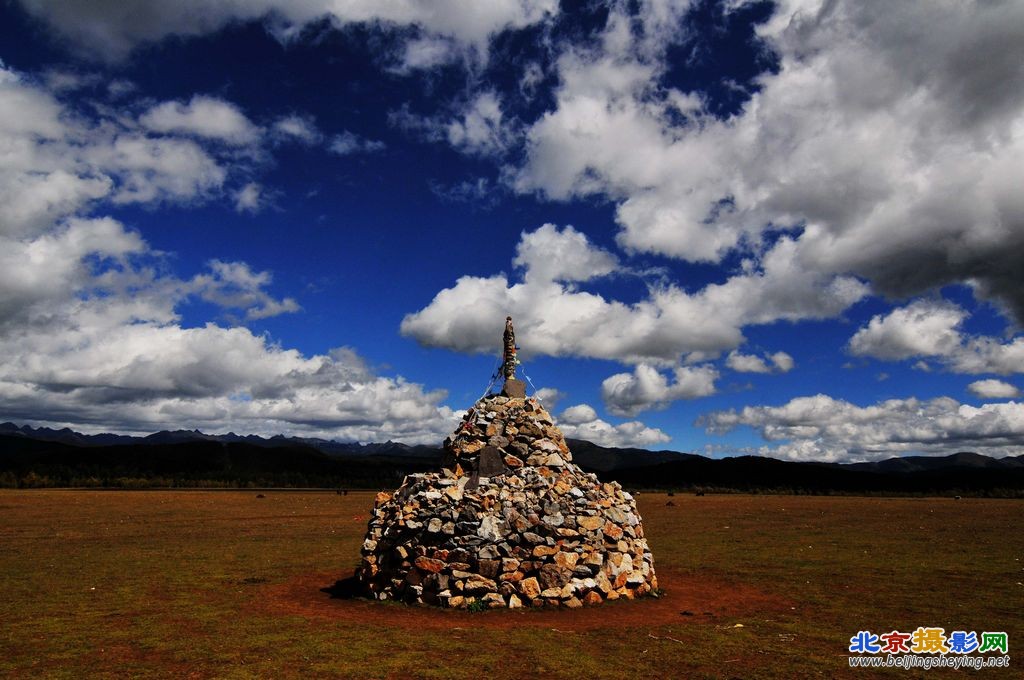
<point>701,233</point>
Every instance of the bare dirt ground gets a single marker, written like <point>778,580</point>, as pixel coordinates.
<point>705,599</point>
<point>230,584</point>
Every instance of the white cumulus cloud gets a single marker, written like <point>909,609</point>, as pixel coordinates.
<point>112,29</point>
<point>549,396</point>
<point>234,285</point>
<point>90,327</point>
<point>480,128</point>
<point>92,340</point>
<point>297,128</point>
<point>550,254</point>
<point>347,143</point>
<point>779,362</point>
<point>627,394</point>
<point>932,329</point>
<point>250,198</point>
<point>891,151</point>
<point>427,53</point>
<point>562,320</point>
<point>203,116</point>
<point>58,161</point>
<point>923,328</point>
<point>582,422</point>
<point>475,126</point>
<point>827,429</point>
<point>993,389</point>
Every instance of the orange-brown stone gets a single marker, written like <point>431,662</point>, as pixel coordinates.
<point>429,565</point>
<point>612,531</point>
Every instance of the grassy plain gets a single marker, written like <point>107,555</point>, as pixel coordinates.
<point>225,584</point>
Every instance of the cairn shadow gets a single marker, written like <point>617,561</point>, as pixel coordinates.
<point>345,589</point>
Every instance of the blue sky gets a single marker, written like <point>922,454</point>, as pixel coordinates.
<point>792,229</point>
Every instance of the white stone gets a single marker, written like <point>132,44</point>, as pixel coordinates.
<point>554,460</point>
<point>491,528</point>
<point>546,445</point>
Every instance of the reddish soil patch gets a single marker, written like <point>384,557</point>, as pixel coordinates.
<point>705,599</point>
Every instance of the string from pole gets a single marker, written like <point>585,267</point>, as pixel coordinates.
<point>494,378</point>
<point>531,382</point>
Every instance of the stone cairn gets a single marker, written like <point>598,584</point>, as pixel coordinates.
<point>509,521</point>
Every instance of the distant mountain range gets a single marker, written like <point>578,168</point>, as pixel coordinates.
<point>72,438</point>
<point>47,457</point>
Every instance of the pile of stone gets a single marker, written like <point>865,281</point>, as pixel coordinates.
<point>509,521</point>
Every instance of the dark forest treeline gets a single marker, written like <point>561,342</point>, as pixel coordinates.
<point>35,464</point>
<point>26,462</point>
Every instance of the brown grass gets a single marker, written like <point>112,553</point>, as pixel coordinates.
<point>223,584</point>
